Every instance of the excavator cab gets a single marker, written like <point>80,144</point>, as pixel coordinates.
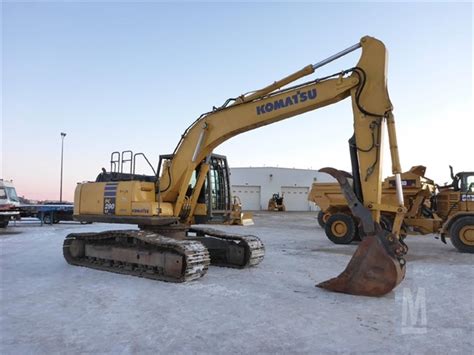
<point>214,202</point>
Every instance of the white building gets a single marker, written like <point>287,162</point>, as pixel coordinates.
<point>255,186</point>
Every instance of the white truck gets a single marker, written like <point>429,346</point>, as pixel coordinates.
<point>9,203</point>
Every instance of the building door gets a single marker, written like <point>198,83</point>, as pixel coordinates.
<point>249,196</point>
<point>295,198</point>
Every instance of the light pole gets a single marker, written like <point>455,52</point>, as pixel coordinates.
<point>61,184</point>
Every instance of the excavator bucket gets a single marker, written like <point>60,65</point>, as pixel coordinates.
<point>377,265</point>
<point>374,269</point>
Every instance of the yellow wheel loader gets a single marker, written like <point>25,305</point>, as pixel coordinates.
<point>275,203</point>
<point>447,210</point>
<point>454,204</point>
<point>166,247</point>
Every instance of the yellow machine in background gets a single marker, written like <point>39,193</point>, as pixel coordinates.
<point>276,203</point>
<point>239,217</point>
<point>166,248</point>
<point>454,204</point>
<point>447,210</point>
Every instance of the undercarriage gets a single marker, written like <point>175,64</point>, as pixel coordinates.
<point>175,254</point>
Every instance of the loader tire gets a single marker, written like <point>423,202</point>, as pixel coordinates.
<point>461,233</point>
<point>4,224</point>
<point>322,219</point>
<point>340,228</point>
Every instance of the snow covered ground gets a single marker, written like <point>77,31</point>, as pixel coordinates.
<point>48,306</point>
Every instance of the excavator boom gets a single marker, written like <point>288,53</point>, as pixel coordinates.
<point>375,268</point>
<point>183,175</point>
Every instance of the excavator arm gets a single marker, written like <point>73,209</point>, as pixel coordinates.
<point>378,265</point>
<point>366,83</point>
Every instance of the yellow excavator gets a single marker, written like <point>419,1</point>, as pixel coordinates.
<point>166,247</point>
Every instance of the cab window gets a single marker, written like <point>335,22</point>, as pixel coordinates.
<point>470,183</point>
<point>11,193</point>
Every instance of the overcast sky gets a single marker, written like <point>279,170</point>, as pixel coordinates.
<point>117,76</point>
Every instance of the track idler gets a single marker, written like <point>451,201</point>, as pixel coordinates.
<point>377,265</point>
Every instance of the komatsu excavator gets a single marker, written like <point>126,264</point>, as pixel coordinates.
<point>167,248</point>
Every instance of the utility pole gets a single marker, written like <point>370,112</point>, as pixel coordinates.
<point>62,151</point>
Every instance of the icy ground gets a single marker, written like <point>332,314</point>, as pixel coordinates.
<point>48,306</point>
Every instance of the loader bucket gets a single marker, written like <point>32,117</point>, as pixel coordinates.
<point>237,217</point>
<point>247,219</point>
<point>241,219</point>
<point>375,268</point>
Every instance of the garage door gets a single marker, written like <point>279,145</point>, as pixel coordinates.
<point>249,196</point>
<point>295,198</point>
